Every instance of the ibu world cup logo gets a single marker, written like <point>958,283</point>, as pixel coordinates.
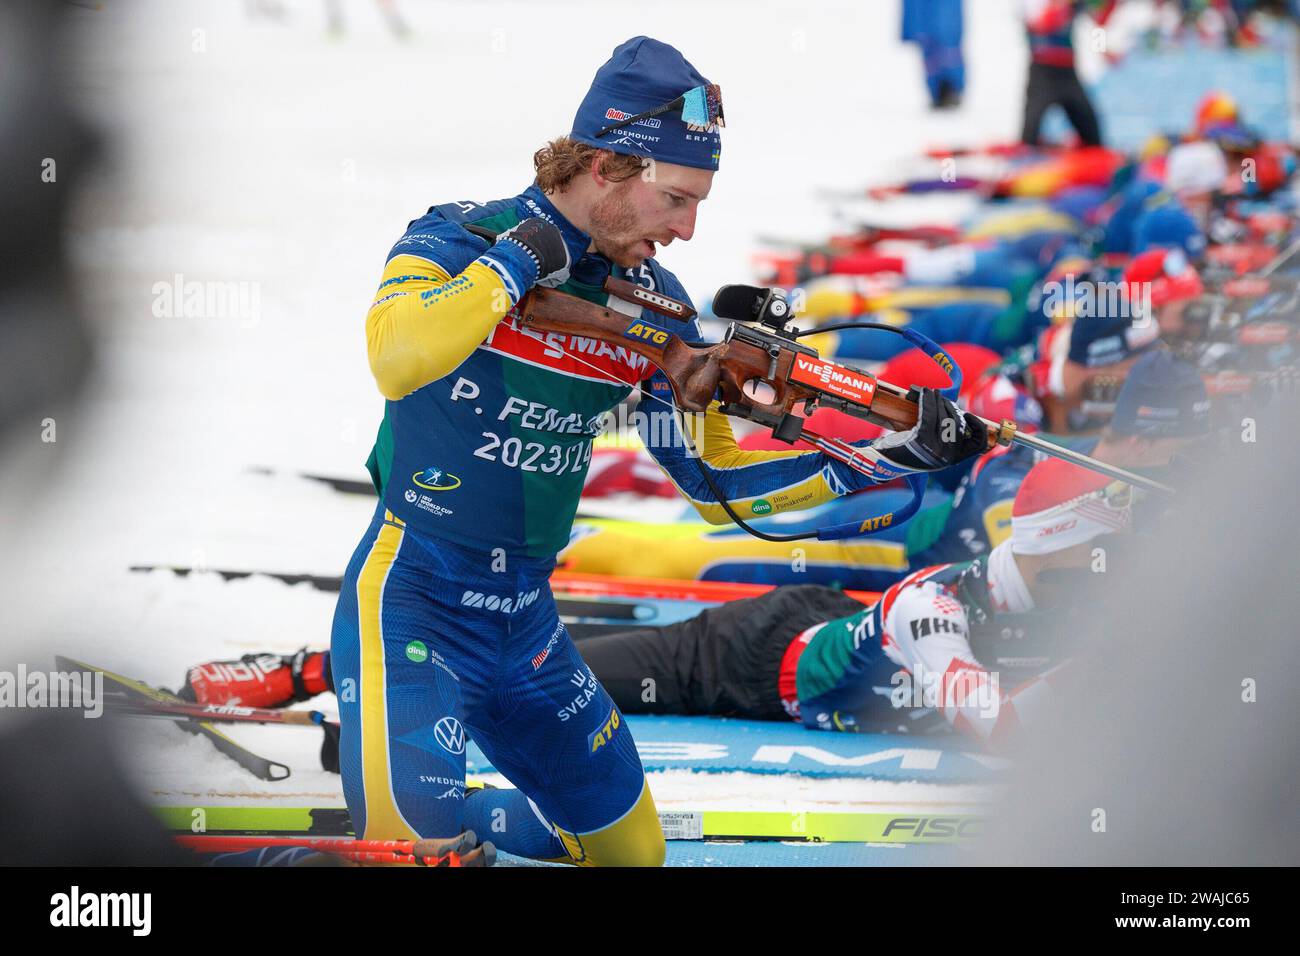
<point>435,479</point>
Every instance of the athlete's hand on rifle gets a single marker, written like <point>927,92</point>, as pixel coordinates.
<point>552,249</point>
<point>942,436</point>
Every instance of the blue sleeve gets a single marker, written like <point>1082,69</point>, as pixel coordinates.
<point>435,238</point>
<point>442,239</point>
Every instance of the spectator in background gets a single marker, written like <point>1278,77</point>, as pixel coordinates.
<point>936,27</point>
<point>1052,76</point>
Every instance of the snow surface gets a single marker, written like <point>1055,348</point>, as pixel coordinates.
<point>282,157</point>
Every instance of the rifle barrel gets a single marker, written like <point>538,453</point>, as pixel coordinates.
<point>1087,461</point>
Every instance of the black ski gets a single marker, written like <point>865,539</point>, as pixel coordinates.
<point>354,486</point>
<point>348,486</point>
<point>329,583</point>
<point>584,617</point>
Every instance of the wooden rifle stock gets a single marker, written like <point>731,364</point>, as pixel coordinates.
<point>698,373</point>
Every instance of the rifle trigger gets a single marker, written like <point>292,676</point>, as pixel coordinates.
<point>774,351</point>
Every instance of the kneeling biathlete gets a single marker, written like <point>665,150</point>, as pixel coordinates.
<point>445,626</point>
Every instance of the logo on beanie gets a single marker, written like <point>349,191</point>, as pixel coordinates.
<point>1058,528</point>
<point>617,115</point>
<point>637,141</point>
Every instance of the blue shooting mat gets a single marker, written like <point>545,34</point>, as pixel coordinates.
<point>771,853</point>
<point>1153,91</point>
<point>721,745</point>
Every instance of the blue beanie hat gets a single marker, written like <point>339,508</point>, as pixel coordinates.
<point>1162,397</point>
<point>641,75</point>
<point>1118,232</point>
<point>1168,225</point>
<point>1100,340</point>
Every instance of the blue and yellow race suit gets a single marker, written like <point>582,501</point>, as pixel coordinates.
<point>445,625</point>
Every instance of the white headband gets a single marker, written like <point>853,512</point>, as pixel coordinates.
<point>1066,525</point>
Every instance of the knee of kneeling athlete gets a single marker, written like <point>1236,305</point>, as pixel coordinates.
<point>636,839</point>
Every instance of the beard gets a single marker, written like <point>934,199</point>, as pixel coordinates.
<point>613,222</point>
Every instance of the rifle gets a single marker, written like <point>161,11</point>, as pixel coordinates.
<point>762,373</point>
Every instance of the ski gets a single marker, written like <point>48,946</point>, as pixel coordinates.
<point>364,488</point>
<point>184,713</point>
<point>820,826</point>
<point>330,583</point>
<point>142,696</point>
<point>927,823</point>
<point>340,483</point>
<point>574,584</point>
<point>347,486</point>
<point>593,613</point>
<point>216,713</point>
<point>249,821</point>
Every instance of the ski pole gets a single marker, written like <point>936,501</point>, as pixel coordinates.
<point>224,713</point>
<point>427,852</point>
